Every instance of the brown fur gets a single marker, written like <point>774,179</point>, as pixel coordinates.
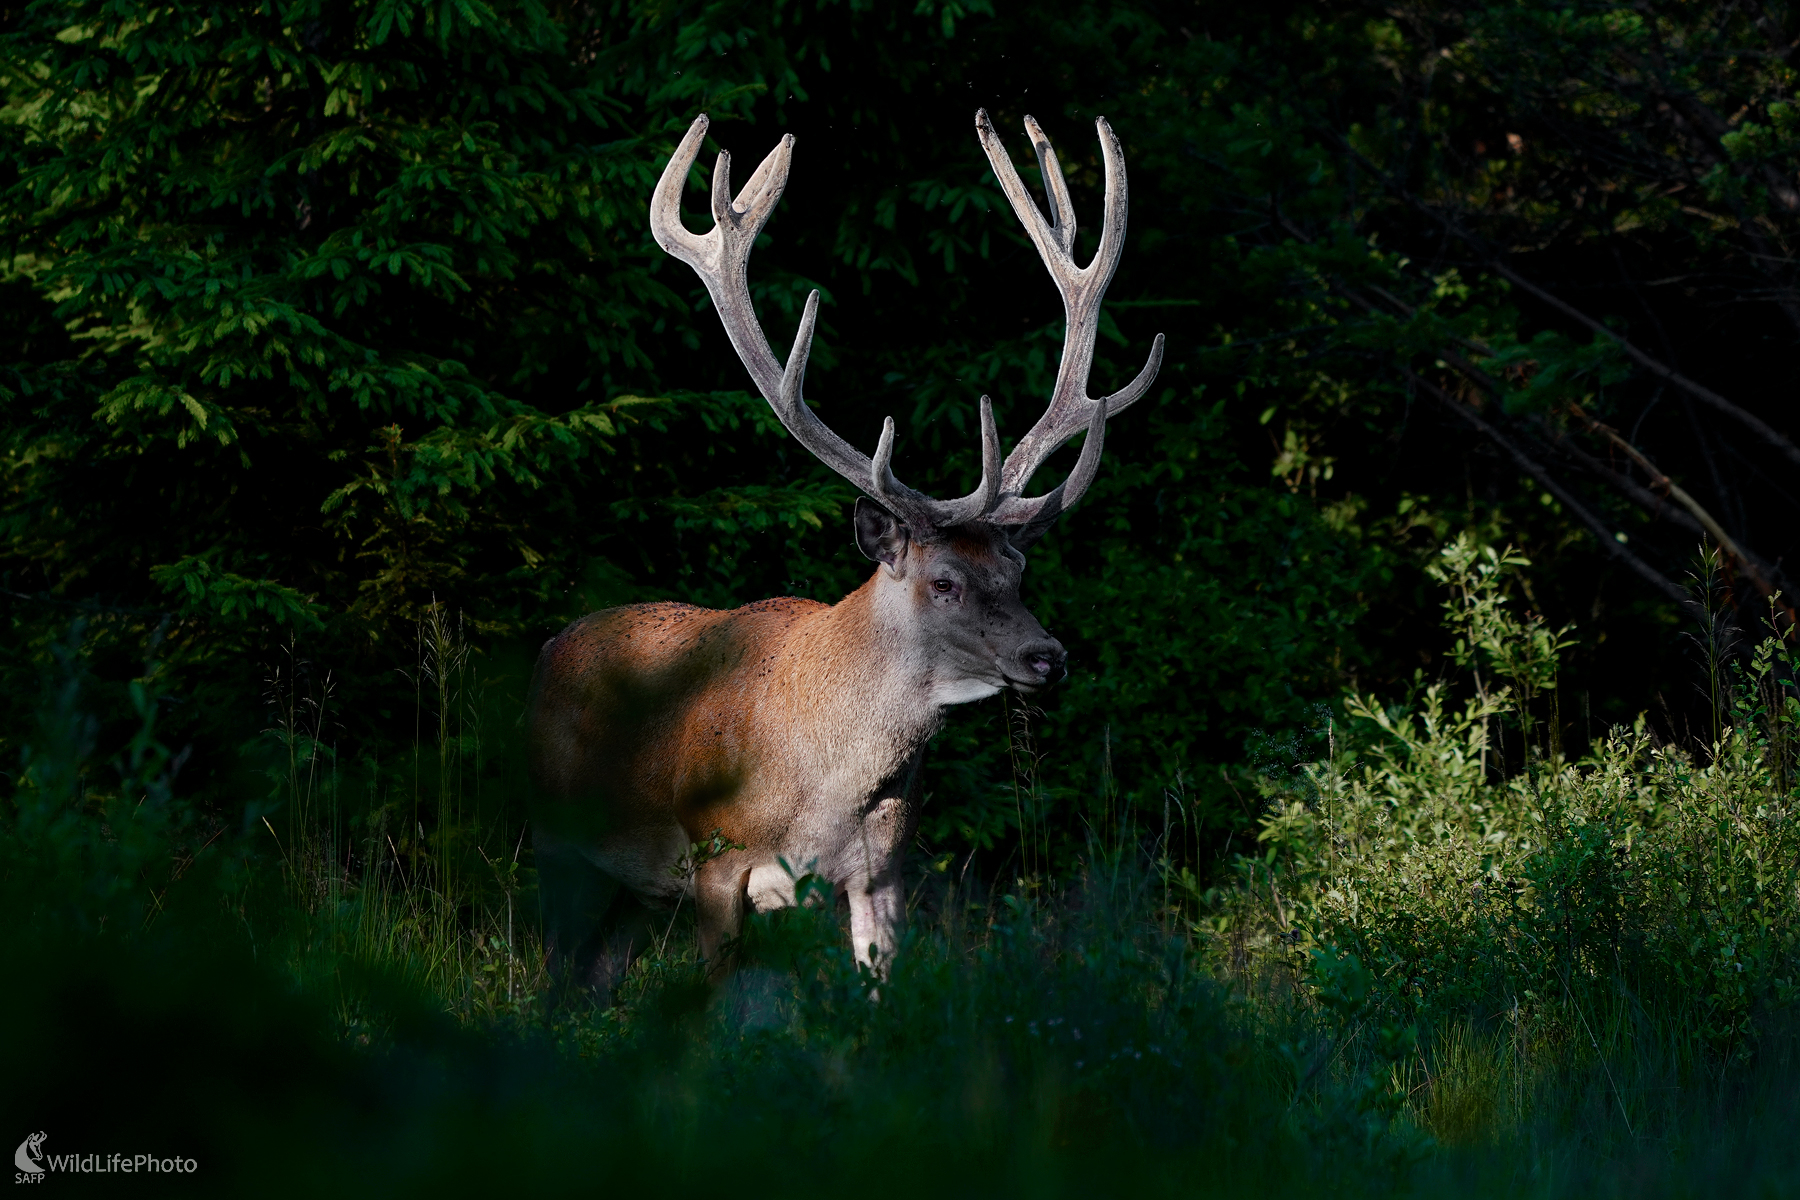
<point>792,727</point>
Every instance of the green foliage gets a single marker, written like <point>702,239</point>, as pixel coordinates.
<point>361,1011</point>
<point>1556,370</point>
<point>319,311</point>
<point>87,845</point>
<point>324,320</point>
<point>202,588</point>
<point>326,251</point>
<point>328,312</point>
<point>1525,652</point>
<point>1637,871</point>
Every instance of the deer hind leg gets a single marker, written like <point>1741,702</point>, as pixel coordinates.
<point>593,926</point>
<point>573,896</point>
<point>628,928</point>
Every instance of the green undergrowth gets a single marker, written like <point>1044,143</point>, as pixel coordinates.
<point>1464,959</point>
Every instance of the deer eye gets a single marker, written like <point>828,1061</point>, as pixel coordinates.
<point>943,585</point>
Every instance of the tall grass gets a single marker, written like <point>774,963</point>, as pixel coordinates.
<point>1442,968</point>
<point>417,870</point>
<point>1464,943</point>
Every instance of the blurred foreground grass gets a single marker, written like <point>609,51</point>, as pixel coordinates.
<point>1068,1054</point>
<point>1439,972</point>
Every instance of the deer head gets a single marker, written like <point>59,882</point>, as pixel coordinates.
<point>960,559</point>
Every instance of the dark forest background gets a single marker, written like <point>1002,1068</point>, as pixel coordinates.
<point>1358,855</point>
<point>318,314</point>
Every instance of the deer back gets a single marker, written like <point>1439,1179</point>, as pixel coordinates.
<point>665,714</point>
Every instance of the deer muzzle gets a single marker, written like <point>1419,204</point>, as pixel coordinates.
<point>1037,664</point>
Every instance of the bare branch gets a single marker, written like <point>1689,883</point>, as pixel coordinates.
<point>1677,493</point>
<point>1608,541</point>
<point>1659,507</point>
<point>1654,366</point>
<point>1657,368</point>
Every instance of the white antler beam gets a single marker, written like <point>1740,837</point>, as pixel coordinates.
<point>721,258</point>
<point>1082,289</point>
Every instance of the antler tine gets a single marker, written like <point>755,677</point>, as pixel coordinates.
<point>1056,188</point>
<point>1082,290</point>
<point>980,502</point>
<point>873,476</point>
<point>917,510</point>
<point>722,209</point>
<point>1032,518</point>
<point>665,201</point>
<point>1042,234</point>
<point>721,258</point>
<point>882,483</point>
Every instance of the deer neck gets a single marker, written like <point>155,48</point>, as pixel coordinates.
<point>898,687</point>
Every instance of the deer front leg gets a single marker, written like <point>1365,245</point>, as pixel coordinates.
<point>719,898</point>
<point>877,888</point>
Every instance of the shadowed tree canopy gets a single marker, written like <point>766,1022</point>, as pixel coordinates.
<point>317,312</point>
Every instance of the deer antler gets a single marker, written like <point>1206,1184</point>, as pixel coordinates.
<point>1082,290</point>
<point>721,258</point>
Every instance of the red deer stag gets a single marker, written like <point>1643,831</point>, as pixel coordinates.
<point>795,728</point>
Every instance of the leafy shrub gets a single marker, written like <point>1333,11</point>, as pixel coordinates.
<point>1643,869</point>
<point>384,1030</point>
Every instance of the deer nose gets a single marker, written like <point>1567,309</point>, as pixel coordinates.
<point>1043,661</point>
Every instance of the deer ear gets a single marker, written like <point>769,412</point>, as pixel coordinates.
<point>1009,545</point>
<point>879,533</point>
